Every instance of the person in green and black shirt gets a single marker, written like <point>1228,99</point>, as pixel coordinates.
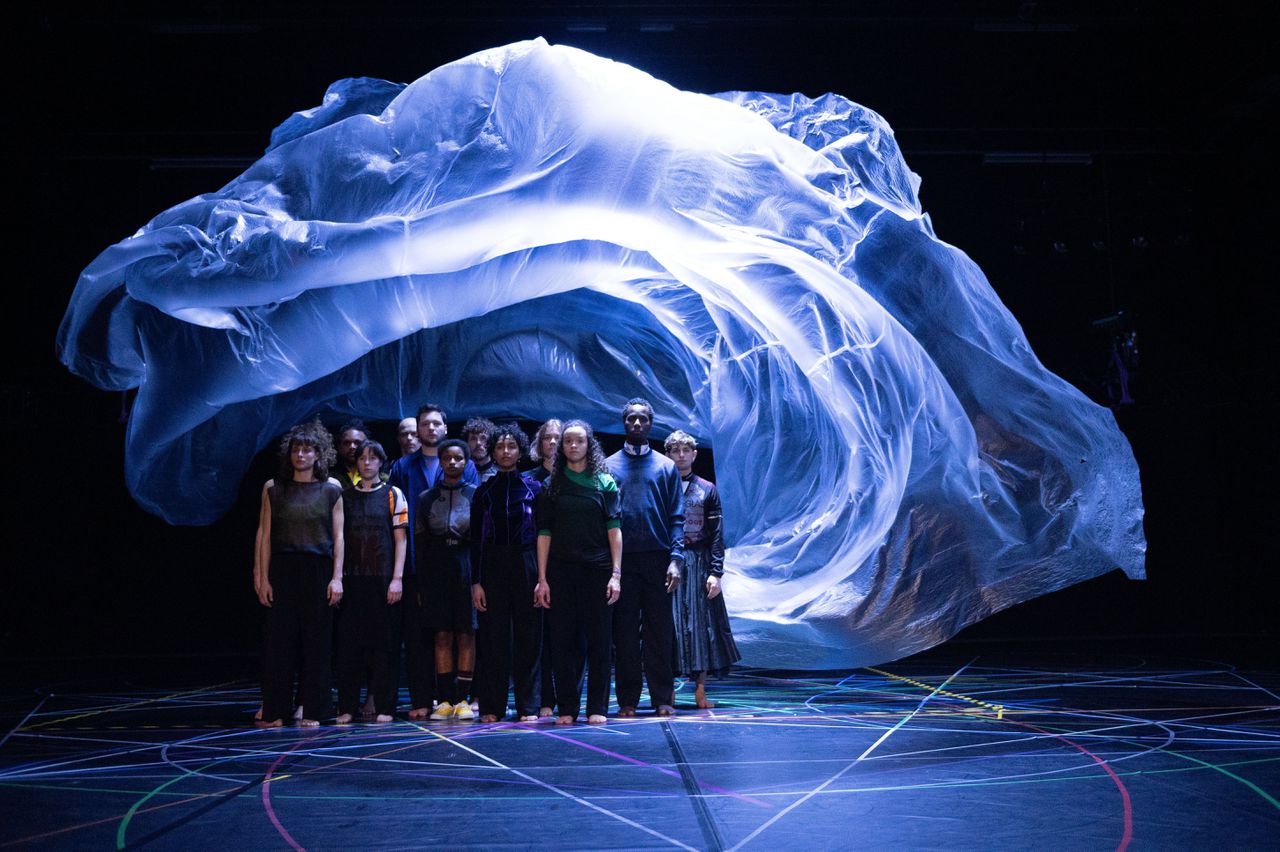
<point>580,569</point>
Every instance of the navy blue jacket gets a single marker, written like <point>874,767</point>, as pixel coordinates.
<point>652,503</point>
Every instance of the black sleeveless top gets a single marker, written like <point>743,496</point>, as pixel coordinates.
<point>302,516</point>
<point>369,543</point>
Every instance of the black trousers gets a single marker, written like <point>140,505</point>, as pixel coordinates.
<point>581,620</point>
<point>419,644</point>
<point>548,666</point>
<point>510,636</point>
<point>298,636</point>
<point>395,623</point>
<point>364,641</point>
<point>643,625</point>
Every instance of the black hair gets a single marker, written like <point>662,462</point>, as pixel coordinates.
<point>370,444</point>
<point>428,408</point>
<point>311,434</point>
<point>355,424</point>
<point>450,443</point>
<point>595,456</point>
<point>637,400</point>
<point>509,430</point>
<point>478,424</point>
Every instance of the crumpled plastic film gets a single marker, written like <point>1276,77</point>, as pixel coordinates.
<point>535,231</point>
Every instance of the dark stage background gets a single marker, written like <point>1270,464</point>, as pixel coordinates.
<point>1156,197</point>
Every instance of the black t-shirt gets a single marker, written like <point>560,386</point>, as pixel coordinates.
<point>579,516</point>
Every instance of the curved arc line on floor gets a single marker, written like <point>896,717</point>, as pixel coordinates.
<point>557,790</point>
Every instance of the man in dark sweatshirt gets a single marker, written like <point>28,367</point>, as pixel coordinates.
<point>652,559</point>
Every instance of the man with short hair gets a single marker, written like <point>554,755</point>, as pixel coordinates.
<point>652,559</point>
<point>350,437</point>
<point>477,433</point>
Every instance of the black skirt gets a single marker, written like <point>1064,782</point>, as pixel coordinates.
<point>704,642</point>
<point>446,590</point>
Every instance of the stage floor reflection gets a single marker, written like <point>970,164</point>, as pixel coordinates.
<point>1002,748</point>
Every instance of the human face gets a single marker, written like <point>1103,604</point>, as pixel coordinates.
<point>431,429</point>
<point>575,445</point>
<point>683,455</point>
<point>506,452</point>
<point>350,445</point>
<point>369,465</point>
<point>636,423</point>
<point>548,443</point>
<point>407,435</point>
<point>478,443</point>
<point>453,462</point>
<point>302,457</point>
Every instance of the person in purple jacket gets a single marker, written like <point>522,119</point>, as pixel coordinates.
<point>504,572</point>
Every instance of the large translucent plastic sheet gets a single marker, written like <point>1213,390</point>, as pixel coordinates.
<point>535,231</point>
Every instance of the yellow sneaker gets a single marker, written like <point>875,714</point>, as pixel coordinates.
<point>463,711</point>
<point>444,710</point>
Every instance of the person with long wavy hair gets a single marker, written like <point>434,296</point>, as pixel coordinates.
<point>579,553</point>
<point>298,575</point>
<point>546,441</point>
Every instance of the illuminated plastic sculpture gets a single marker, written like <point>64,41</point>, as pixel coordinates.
<point>535,231</point>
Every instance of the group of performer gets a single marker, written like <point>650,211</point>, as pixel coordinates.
<point>496,582</point>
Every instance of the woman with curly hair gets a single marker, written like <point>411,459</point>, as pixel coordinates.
<point>580,560</point>
<point>298,574</point>
<point>504,571</point>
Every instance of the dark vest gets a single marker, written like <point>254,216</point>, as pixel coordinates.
<point>370,544</point>
<point>302,517</point>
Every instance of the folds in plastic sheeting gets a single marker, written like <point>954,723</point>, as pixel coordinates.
<point>534,231</point>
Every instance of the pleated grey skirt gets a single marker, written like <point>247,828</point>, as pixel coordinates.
<point>704,642</point>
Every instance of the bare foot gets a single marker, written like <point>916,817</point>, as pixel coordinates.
<point>297,712</point>
<point>308,723</point>
<point>666,710</point>
<point>257,714</point>
<point>488,718</point>
<point>544,712</point>
<point>596,719</point>
<point>528,718</point>
<point>564,720</point>
<point>700,698</point>
<point>343,719</point>
<point>419,713</point>
<point>274,723</point>
<point>627,712</point>
<point>383,718</point>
